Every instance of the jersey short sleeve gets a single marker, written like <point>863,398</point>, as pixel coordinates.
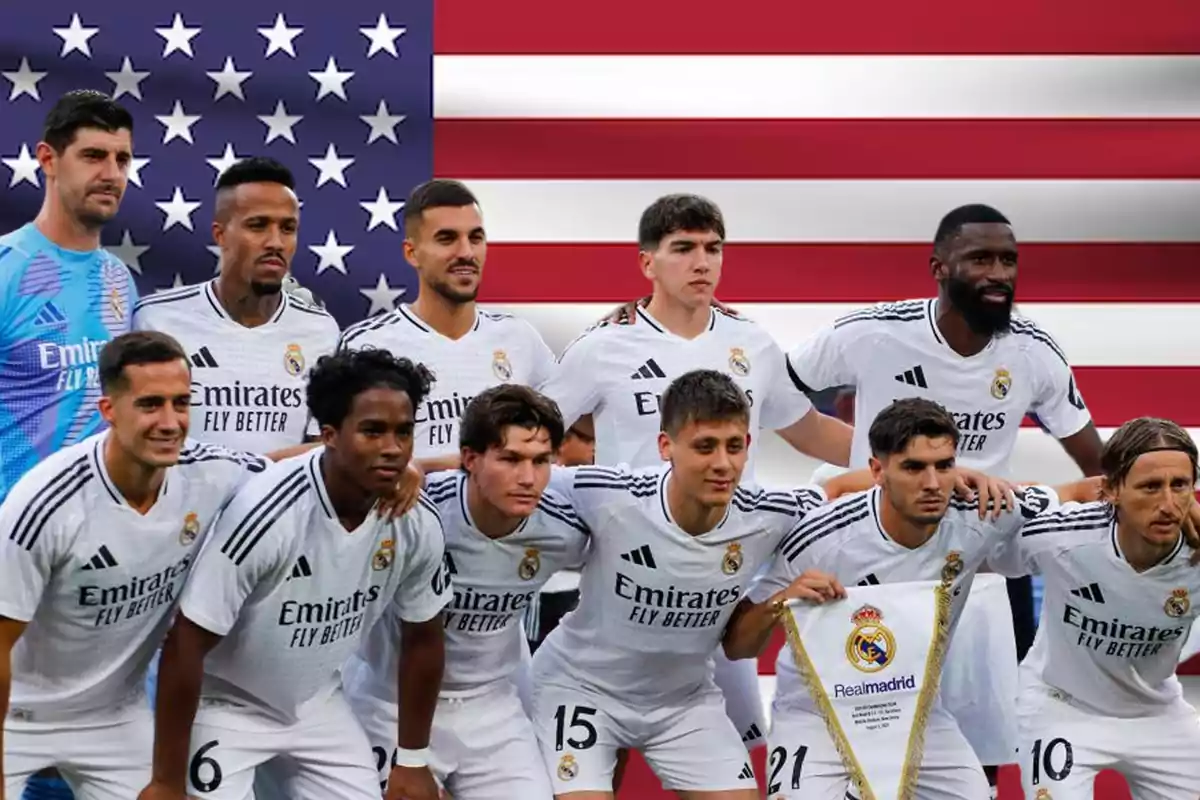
<point>572,383</point>
<point>1057,402</point>
<point>426,588</point>
<point>826,359</point>
<point>1044,535</point>
<point>233,564</point>
<point>229,468</point>
<point>808,542</point>
<point>785,403</point>
<point>30,546</point>
<point>544,364</point>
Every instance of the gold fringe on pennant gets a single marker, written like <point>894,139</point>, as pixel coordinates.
<point>925,699</point>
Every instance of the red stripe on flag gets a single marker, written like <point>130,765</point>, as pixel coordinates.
<point>1115,395</point>
<point>843,273</point>
<point>878,27</point>
<point>780,149</point>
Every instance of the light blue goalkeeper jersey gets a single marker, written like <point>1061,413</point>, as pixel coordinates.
<point>58,308</point>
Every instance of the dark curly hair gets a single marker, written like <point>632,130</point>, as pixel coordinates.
<point>336,380</point>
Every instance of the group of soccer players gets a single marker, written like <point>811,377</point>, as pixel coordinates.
<point>218,474</point>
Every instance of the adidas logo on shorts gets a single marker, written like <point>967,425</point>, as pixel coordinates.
<point>746,774</point>
<point>752,734</point>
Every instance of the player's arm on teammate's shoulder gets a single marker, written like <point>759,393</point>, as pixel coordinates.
<point>419,601</point>
<point>180,675</point>
<point>820,436</point>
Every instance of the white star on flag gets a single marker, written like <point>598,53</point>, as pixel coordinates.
<point>24,167</point>
<point>331,167</point>
<point>24,81</point>
<point>382,37</point>
<point>383,211</point>
<point>383,123</point>
<point>177,37</point>
<point>134,171</point>
<point>128,252</point>
<point>178,124</point>
<point>383,297</point>
<point>280,124</point>
<point>279,38</point>
<point>331,80</point>
<point>127,81</point>
<point>229,80</point>
<point>75,37</point>
<point>331,254</point>
<point>178,211</point>
<point>224,162</point>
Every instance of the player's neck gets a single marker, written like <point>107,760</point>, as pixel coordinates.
<point>690,515</point>
<point>488,519</point>
<point>683,321</point>
<point>138,483</point>
<point>1142,554</point>
<point>901,530</point>
<point>64,230</point>
<point>244,306</point>
<point>954,329</point>
<point>350,502</point>
<point>450,319</point>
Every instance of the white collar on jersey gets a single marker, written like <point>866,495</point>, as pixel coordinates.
<point>97,460</point>
<point>210,294</point>
<point>658,326</point>
<point>404,311</point>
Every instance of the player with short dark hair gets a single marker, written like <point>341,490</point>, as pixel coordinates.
<point>968,350</point>
<point>98,540</point>
<point>506,535</point>
<point>1098,689</point>
<point>251,344</point>
<point>910,527</point>
<point>300,567</point>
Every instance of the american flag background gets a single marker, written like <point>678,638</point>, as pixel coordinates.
<point>833,136</point>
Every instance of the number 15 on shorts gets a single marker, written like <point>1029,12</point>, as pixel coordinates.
<point>574,729</point>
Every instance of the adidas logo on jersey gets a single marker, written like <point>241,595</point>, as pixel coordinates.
<point>301,569</point>
<point>870,580</point>
<point>640,556</point>
<point>101,560</point>
<point>753,734</point>
<point>746,774</point>
<point>1090,592</point>
<point>650,369</point>
<point>49,314</point>
<point>913,377</point>
<point>203,358</point>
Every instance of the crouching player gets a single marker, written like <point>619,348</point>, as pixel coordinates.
<point>1098,688</point>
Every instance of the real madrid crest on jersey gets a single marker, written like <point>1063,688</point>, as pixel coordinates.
<point>568,768</point>
<point>1001,384</point>
<point>739,364</point>
<point>116,303</point>
<point>190,530</point>
<point>293,360</point>
<point>384,555</point>
<point>501,366</point>
<point>530,564</point>
<point>870,646</point>
<point>952,568</point>
<point>1178,603</point>
<point>732,560</point>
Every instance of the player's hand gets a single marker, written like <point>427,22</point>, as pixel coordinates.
<point>813,586</point>
<point>989,489</point>
<point>405,495</point>
<point>158,791</point>
<point>412,783</point>
<point>626,313</point>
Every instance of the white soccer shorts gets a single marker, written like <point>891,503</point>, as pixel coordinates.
<point>803,764</point>
<point>690,744</point>
<point>739,684</point>
<point>327,754</point>
<point>102,755</point>
<point>481,748</point>
<point>1063,747</point>
<point>980,678</point>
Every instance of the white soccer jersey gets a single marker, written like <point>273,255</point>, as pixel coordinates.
<point>1109,636</point>
<point>846,539</point>
<point>499,348</point>
<point>654,599</point>
<point>96,580</point>
<point>292,591</point>
<point>248,384</point>
<point>894,350</point>
<point>494,582</point>
<point>618,373</point>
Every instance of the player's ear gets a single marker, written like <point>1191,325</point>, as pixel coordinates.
<point>46,159</point>
<point>646,264</point>
<point>664,446</point>
<point>410,252</point>
<point>105,405</point>
<point>469,458</point>
<point>876,467</point>
<point>218,234</point>
<point>938,268</point>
